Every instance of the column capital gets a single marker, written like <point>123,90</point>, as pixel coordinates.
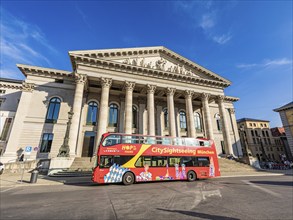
<point>129,86</point>
<point>28,87</point>
<point>80,78</point>
<point>231,110</point>
<point>205,96</point>
<point>151,88</point>
<point>170,91</point>
<point>106,82</point>
<point>220,98</point>
<point>188,93</point>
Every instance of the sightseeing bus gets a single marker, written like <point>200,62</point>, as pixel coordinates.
<point>139,158</point>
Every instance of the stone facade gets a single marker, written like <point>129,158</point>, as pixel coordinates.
<point>286,115</point>
<point>259,141</point>
<point>149,90</point>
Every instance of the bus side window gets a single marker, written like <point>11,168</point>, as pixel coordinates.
<point>139,163</point>
<point>173,161</point>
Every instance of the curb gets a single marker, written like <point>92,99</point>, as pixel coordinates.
<point>244,175</point>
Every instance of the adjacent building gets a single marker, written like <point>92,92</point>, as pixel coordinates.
<point>10,91</point>
<point>148,90</point>
<point>286,114</point>
<point>258,140</point>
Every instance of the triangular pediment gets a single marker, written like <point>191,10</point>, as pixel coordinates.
<point>157,58</point>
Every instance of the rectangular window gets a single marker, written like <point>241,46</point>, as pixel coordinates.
<point>158,161</point>
<point>202,161</point>
<point>2,91</point>
<point>46,143</point>
<point>173,161</point>
<point>5,129</point>
<point>108,161</point>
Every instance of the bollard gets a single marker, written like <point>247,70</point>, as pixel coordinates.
<point>34,176</point>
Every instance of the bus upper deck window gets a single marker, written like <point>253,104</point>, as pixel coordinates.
<point>112,140</point>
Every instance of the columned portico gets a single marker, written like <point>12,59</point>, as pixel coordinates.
<point>129,80</point>
<point>151,109</point>
<point>77,103</point>
<point>171,111</point>
<point>226,135</point>
<point>104,109</point>
<point>129,86</point>
<point>189,110</point>
<point>207,115</point>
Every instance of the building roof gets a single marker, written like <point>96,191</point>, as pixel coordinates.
<point>250,119</point>
<point>11,80</point>
<point>284,107</point>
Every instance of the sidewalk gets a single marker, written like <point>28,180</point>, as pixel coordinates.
<point>14,179</point>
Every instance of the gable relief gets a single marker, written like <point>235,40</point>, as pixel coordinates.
<point>159,64</point>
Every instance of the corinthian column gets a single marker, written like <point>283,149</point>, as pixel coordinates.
<point>129,86</point>
<point>77,102</point>
<point>171,112</point>
<point>226,135</point>
<point>207,115</point>
<point>103,111</point>
<point>151,109</point>
<point>189,110</point>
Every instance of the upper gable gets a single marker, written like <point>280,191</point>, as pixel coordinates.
<point>157,58</point>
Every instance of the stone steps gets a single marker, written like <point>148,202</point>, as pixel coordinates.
<point>82,164</point>
<point>232,167</point>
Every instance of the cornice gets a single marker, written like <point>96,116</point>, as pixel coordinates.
<point>6,85</point>
<point>126,52</point>
<point>145,71</point>
<point>35,70</point>
<point>231,99</point>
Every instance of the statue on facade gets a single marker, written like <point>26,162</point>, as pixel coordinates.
<point>160,64</point>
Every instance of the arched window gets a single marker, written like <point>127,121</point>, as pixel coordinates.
<point>53,110</point>
<point>113,115</point>
<point>197,121</point>
<point>134,116</point>
<point>252,133</point>
<point>92,113</point>
<point>218,120</point>
<point>166,118</point>
<point>182,118</point>
<point>267,133</point>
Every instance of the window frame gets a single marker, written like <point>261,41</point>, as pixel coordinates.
<point>54,101</point>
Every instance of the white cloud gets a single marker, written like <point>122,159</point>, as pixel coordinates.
<point>20,42</point>
<point>223,38</point>
<point>207,16</point>
<point>207,21</point>
<point>267,63</point>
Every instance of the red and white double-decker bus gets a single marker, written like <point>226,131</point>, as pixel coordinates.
<point>136,158</point>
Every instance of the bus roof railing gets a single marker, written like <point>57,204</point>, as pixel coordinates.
<point>121,138</point>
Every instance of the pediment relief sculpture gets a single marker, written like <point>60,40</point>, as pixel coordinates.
<point>159,64</point>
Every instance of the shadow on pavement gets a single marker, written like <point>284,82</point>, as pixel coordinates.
<point>199,215</point>
<point>277,183</point>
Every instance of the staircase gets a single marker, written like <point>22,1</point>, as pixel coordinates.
<point>82,164</point>
<point>234,168</point>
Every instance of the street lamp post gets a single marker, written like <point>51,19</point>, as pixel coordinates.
<point>64,149</point>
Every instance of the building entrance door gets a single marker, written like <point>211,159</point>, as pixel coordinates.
<point>88,144</point>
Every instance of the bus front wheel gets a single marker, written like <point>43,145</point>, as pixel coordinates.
<point>128,178</point>
<point>191,176</point>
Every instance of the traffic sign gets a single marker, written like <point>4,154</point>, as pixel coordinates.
<point>36,148</point>
<point>28,149</point>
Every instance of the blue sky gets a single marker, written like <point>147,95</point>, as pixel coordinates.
<point>247,42</point>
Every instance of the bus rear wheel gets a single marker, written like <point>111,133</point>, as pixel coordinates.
<point>191,176</point>
<point>128,178</point>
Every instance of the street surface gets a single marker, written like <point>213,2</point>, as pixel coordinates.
<point>269,197</point>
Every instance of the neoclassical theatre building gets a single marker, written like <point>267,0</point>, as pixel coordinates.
<point>147,90</point>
